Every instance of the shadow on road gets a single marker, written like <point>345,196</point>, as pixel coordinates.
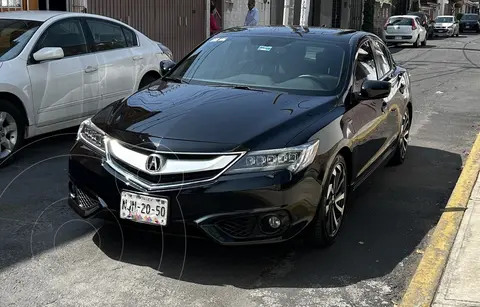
<point>391,214</point>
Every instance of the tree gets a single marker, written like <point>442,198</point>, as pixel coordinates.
<point>368,14</point>
<point>454,4</point>
<point>415,6</point>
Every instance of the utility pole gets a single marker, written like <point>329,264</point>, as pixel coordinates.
<point>304,13</point>
<point>288,6</point>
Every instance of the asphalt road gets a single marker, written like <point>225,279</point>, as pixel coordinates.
<point>50,257</point>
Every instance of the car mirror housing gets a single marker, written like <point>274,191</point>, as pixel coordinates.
<point>374,89</point>
<point>48,53</point>
<point>166,66</point>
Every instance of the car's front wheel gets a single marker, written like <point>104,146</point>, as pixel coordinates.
<point>11,131</point>
<point>403,140</point>
<point>330,212</point>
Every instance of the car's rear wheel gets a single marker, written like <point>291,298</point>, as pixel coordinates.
<point>424,43</point>
<point>403,140</point>
<point>11,131</point>
<point>328,220</point>
<point>417,42</point>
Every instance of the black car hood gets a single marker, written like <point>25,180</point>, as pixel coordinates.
<point>206,118</point>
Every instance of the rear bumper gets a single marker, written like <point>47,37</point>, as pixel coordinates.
<point>400,39</point>
<point>233,210</point>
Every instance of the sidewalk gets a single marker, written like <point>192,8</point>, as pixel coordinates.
<point>460,283</point>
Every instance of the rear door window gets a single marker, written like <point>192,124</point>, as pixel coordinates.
<point>106,35</point>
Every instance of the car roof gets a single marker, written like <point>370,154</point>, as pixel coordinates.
<point>326,34</point>
<point>405,16</point>
<point>445,16</point>
<point>30,15</point>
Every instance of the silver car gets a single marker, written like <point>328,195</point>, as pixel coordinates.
<point>446,26</point>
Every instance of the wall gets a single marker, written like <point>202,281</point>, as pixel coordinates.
<point>234,12</point>
<point>382,12</point>
<point>32,5</point>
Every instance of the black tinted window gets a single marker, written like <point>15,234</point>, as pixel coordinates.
<point>400,21</point>
<point>130,37</point>
<point>279,63</point>
<point>66,34</point>
<point>384,65</point>
<point>106,35</point>
<point>365,66</point>
<point>470,17</point>
<point>14,35</point>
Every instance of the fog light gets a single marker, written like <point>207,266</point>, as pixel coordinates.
<point>274,222</point>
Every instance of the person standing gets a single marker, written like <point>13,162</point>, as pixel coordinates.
<point>213,23</point>
<point>252,15</point>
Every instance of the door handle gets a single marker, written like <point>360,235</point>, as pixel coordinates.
<point>138,57</point>
<point>90,69</point>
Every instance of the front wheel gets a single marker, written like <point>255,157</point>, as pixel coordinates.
<point>328,220</point>
<point>11,131</point>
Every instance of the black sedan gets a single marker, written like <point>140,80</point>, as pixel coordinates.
<point>470,22</point>
<point>256,136</point>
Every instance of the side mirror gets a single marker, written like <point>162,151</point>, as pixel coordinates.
<point>48,53</point>
<point>166,66</point>
<point>374,89</point>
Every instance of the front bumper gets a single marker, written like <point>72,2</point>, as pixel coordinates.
<point>469,27</point>
<point>443,32</point>
<point>231,210</point>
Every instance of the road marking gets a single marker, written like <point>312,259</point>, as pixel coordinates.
<point>423,286</point>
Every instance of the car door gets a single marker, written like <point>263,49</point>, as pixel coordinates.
<point>392,105</point>
<point>115,60</point>
<point>366,116</point>
<point>67,88</point>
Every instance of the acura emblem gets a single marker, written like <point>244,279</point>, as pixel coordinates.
<point>154,163</point>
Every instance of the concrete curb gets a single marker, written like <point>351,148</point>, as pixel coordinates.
<point>423,286</point>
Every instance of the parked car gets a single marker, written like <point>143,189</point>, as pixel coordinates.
<point>405,29</point>
<point>470,22</point>
<point>446,26</point>
<point>426,21</point>
<point>59,68</point>
<point>257,136</point>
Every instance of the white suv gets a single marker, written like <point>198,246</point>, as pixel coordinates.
<point>59,68</point>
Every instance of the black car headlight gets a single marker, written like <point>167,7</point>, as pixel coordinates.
<point>91,135</point>
<point>293,159</point>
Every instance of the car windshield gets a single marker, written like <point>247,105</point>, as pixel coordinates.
<point>400,21</point>
<point>286,64</point>
<point>444,19</point>
<point>14,35</point>
<point>470,17</point>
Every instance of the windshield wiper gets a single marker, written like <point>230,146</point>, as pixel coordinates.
<point>241,87</point>
<point>176,80</point>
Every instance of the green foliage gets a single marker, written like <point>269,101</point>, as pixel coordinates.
<point>368,15</point>
<point>459,16</point>
<point>416,5</point>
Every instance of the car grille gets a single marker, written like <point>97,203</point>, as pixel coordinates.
<point>85,202</point>
<point>167,178</point>
<point>179,169</point>
<point>239,227</point>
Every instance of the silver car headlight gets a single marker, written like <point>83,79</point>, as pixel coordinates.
<point>91,135</point>
<point>293,159</point>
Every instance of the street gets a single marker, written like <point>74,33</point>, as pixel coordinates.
<point>49,256</point>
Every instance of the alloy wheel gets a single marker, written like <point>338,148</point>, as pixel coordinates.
<point>8,134</point>
<point>335,200</point>
<point>404,135</point>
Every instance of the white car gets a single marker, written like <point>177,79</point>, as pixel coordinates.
<point>404,29</point>
<point>446,26</point>
<point>59,68</point>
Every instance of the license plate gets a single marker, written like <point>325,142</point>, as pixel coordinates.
<point>398,37</point>
<point>467,27</point>
<point>144,209</point>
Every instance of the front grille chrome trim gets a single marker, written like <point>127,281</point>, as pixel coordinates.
<point>222,162</point>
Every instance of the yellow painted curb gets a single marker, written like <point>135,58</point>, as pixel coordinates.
<point>423,286</point>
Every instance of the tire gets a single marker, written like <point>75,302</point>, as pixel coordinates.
<point>424,43</point>
<point>458,33</point>
<point>402,146</point>
<point>327,223</point>
<point>415,45</point>
<point>10,140</point>
<point>146,80</point>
